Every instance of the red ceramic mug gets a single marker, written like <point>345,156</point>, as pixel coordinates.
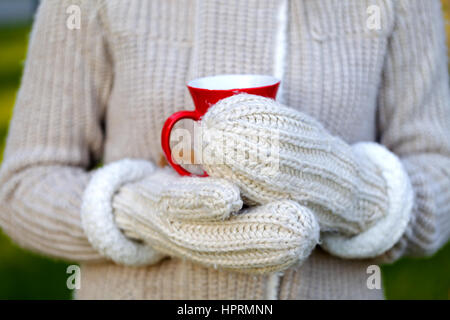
<point>206,92</point>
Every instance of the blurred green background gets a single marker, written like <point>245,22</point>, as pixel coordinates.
<point>24,275</point>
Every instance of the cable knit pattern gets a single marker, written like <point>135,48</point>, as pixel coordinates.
<point>104,91</point>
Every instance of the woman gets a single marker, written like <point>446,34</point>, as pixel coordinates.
<point>103,92</point>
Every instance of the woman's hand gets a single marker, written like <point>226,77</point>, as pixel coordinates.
<point>360,194</point>
<point>198,219</point>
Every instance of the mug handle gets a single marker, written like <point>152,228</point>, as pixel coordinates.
<point>165,138</point>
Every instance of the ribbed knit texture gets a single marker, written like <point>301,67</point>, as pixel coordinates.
<point>257,240</point>
<point>274,152</point>
<point>103,92</point>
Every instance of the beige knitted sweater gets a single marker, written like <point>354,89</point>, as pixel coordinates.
<point>103,91</point>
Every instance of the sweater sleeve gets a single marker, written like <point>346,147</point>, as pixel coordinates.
<point>55,134</point>
<point>414,121</point>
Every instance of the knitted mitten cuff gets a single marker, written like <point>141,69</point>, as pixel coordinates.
<point>97,214</point>
<point>385,232</point>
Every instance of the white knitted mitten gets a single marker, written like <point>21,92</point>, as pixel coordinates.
<point>198,219</point>
<point>360,194</point>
